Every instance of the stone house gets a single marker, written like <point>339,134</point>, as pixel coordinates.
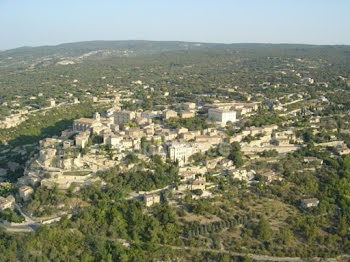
<point>190,172</point>
<point>282,141</point>
<point>169,114</point>
<point>198,184</point>
<point>309,202</point>
<point>82,139</point>
<point>186,114</point>
<point>84,124</point>
<point>122,117</point>
<point>310,159</point>
<point>189,106</point>
<point>25,192</point>
<point>151,199</point>
<point>111,139</point>
<point>135,132</point>
<point>7,202</point>
<point>224,163</point>
<point>212,163</point>
<point>269,176</point>
<point>181,130</point>
<point>187,136</point>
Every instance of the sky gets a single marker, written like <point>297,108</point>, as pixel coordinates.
<point>51,22</point>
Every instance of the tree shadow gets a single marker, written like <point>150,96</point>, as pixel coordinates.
<point>50,131</point>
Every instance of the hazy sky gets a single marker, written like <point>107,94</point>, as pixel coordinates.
<point>43,22</point>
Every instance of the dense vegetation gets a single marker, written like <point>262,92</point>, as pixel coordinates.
<point>47,124</point>
<point>193,123</point>
<point>144,177</point>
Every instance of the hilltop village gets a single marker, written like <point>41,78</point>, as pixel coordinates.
<point>178,156</point>
<point>118,137</point>
<point>102,142</point>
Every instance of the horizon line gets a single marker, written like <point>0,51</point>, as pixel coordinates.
<point>181,41</point>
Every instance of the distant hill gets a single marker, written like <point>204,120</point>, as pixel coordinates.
<point>71,53</point>
<point>76,52</point>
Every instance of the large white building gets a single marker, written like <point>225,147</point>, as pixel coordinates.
<point>221,115</point>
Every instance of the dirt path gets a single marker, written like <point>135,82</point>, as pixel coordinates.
<point>261,257</point>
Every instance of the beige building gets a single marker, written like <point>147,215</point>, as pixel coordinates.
<point>46,156</point>
<point>310,159</point>
<point>190,172</point>
<point>181,130</point>
<point>187,136</point>
<point>189,106</point>
<point>288,134</point>
<point>249,107</point>
<point>309,202</point>
<point>122,117</point>
<point>52,102</point>
<point>342,149</point>
<point>170,135</point>
<point>127,143</point>
<point>212,140</point>
<point>200,147</point>
<point>282,141</point>
<point>111,139</point>
<point>187,114</point>
<point>7,202</point>
<point>198,184</point>
<point>82,139</point>
<point>25,192</point>
<point>135,132</point>
<point>67,144</point>
<point>269,176</point>
<point>149,131</point>
<point>169,114</point>
<point>151,199</point>
<point>150,114</point>
<point>49,142</point>
<point>84,124</point>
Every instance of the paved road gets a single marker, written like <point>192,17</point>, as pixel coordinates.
<point>27,226</point>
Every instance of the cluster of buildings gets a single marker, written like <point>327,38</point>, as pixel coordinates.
<point>24,193</point>
<point>102,142</point>
<point>256,139</point>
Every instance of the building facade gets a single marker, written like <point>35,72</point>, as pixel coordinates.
<point>221,115</point>
<point>180,152</point>
<point>122,117</point>
<point>169,114</point>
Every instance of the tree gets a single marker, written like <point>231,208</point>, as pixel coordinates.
<point>235,146</point>
<point>286,235</point>
<point>236,155</point>
<point>237,158</point>
<point>263,230</point>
